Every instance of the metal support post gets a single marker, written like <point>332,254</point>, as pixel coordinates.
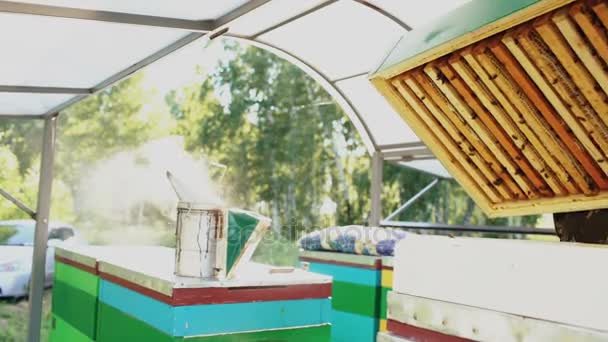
<point>412,200</point>
<point>18,203</point>
<point>376,189</point>
<point>42,224</point>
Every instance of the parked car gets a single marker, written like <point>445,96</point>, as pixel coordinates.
<point>16,253</point>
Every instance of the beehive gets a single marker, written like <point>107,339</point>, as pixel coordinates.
<point>474,289</point>
<point>358,292</point>
<point>132,294</point>
<point>511,97</point>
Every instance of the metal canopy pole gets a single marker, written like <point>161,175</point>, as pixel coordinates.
<point>376,189</point>
<point>42,224</point>
<point>18,203</point>
<point>412,200</point>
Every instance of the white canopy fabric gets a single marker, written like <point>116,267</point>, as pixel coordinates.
<point>57,52</point>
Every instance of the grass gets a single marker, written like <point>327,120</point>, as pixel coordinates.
<point>14,319</point>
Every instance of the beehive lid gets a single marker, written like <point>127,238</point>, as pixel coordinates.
<point>153,268</point>
<point>511,97</point>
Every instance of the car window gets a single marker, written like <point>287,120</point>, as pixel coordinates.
<point>18,235</point>
<point>62,234</point>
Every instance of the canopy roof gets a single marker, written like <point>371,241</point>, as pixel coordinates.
<point>57,52</point>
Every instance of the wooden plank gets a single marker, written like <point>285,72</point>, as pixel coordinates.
<point>82,254</point>
<point>478,324</point>
<point>367,302</point>
<point>82,267</point>
<point>77,278</point>
<point>225,295</point>
<point>487,129</point>
<point>566,168</point>
<point>462,135</point>
<point>340,263</point>
<point>516,144</point>
<point>384,336</point>
<point>118,326</point>
<point>548,112</point>
<point>367,277</point>
<point>561,91</point>
<point>600,8</point>
<point>511,281</point>
<point>215,318</point>
<point>354,260</point>
<point>76,307</point>
<point>579,74</point>
<point>387,278</point>
<point>548,205</point>
<point>433,142</point>
<point>466,121</point>
<point>470,23</point>
<point>512,113</point>
<point>446,139</point>
<point>317,333</point>
<point>420,334</point>
<point>63,331</point>
<point>115,325</point>
<point>595,33</point>
<point>583,50</point>
<point>346,327</point>
<point>532,125</point>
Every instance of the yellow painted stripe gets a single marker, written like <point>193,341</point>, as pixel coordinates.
<point>387,278</point>
<point>383,325</point>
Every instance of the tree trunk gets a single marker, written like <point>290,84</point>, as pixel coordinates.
<point>468,213</point>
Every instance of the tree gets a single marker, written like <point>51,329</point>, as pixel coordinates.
<point>278,130</point>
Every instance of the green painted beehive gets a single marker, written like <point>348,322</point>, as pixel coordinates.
<point>132,294</point>
<point>356,295</point>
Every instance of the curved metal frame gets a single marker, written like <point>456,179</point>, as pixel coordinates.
<point>327,84</point>
<point>197,29</point>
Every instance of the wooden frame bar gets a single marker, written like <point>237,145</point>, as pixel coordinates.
<point>518,105</point>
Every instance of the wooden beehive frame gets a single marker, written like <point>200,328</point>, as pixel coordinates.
<point>519,116</point>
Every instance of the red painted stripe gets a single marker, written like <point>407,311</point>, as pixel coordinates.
<point>377,264</point>
<point>420,334</point>
<point>227,295</point>
<point>88,269</point>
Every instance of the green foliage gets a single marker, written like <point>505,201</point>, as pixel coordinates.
<point>278,133</point>
<point>447,202</point>
<point>101,125</point>
<point>6,232</point>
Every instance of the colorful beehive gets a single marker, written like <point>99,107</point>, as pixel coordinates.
<point>511,97</point>
<point>138,298</point>
<point>470,289</point>
<point>357,292</point>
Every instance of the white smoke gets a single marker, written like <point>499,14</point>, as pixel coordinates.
<point>116,188</point>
